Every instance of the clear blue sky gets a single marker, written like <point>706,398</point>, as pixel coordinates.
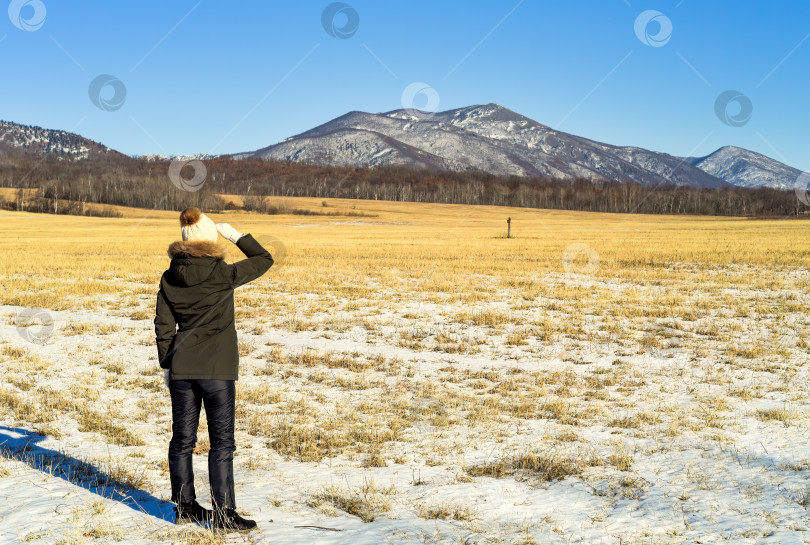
<point>221,77</point>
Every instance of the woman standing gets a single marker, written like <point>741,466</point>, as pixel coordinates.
<point>197,349</point>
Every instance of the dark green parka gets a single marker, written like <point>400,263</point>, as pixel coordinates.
<point>194,319</point>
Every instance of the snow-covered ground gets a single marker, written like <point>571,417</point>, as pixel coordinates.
<point>444,423</point>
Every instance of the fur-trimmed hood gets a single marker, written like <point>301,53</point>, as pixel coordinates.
<point>196,248</point>
<point>193,261</point>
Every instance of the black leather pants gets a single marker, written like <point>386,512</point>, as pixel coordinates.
<point>219,397</point>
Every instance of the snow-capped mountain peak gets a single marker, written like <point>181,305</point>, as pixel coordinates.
<point>486,137</point>
<point>747,168</point>
<point>17,139</point>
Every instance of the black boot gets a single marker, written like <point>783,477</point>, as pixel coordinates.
<point>193,512</point>
<point>228,520</point>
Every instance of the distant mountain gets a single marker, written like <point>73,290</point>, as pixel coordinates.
<point>16,139</point>
<point>487,137</point>
<point>746,168</point>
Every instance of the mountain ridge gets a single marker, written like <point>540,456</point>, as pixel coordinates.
<point>746,168</point>
<point>18,139</point>
<point>486,137</point>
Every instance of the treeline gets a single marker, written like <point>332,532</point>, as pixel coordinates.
<point>142,183</point>
<point>31,200</point>
<point>111,180</point>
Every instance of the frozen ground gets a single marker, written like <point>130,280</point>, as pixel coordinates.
<point>430,423</point>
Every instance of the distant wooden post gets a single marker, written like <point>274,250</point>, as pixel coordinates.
<point>508,227</point>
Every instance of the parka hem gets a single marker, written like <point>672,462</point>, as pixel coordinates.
<point>203,377</point>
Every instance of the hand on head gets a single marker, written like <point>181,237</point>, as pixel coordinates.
<point>229,232</point>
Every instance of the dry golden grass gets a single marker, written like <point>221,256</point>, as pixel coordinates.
<point>781,414</point>
<point>446,249</point>
<point>367,502</point>
<point>92,421</point>
<point>723,299</point>
<point>547,466</point>
<point>446,511</point>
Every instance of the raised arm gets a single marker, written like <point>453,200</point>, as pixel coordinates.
<point>258,259</point>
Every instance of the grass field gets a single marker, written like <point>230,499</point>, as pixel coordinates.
<point>411,375</point>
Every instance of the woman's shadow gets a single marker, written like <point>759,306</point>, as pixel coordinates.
<point>21,444</point>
